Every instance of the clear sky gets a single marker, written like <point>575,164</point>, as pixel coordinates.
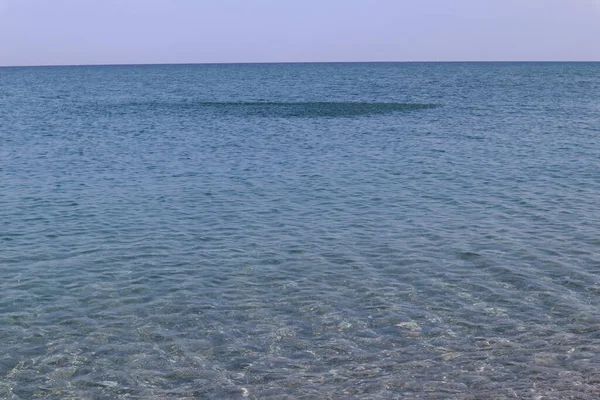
<point>47,32</point>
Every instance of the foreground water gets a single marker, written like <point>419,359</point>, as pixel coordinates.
<point>300,231</point>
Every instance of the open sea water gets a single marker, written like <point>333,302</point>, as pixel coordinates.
<point>300,231</point>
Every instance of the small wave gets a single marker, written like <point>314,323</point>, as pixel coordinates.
<point>277,109</point>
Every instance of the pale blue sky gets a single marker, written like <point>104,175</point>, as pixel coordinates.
<point>34,32</point>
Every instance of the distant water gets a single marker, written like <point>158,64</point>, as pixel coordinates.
<point>311,231</point>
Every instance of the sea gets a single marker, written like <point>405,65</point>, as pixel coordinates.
<point>300,231</point>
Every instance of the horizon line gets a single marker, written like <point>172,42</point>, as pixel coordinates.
<point>302,62</point>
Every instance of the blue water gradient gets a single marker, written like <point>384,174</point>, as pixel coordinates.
<point>306,231</point>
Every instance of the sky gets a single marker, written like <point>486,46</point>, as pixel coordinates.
<point>74,32</point>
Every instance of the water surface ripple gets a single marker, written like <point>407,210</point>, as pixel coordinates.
<point>313,231</point>
<point>262,108</point>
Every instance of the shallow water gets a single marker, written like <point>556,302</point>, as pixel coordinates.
<point>300,231</point>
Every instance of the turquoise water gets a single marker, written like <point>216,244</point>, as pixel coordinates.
<point>305,231</point>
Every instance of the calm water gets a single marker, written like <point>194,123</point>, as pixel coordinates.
<point>342,231</point>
